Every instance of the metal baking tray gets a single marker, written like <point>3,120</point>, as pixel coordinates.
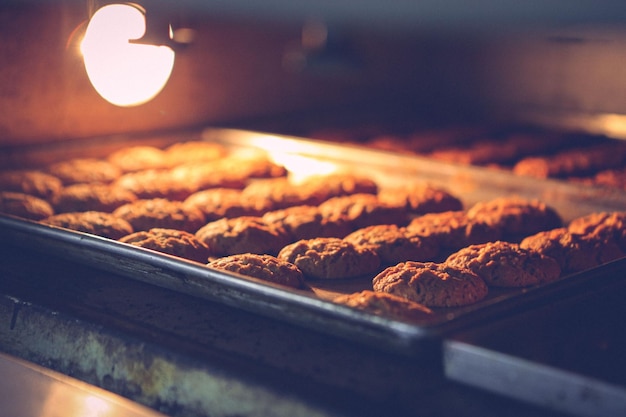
<point>312,308</point>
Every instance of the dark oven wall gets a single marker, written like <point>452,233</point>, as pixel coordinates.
<point>240,68</point>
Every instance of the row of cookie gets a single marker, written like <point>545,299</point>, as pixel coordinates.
<point>99,185</point>
<point>408,289</point>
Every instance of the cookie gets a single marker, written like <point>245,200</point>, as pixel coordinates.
<point>573,252</point>
<point>93,222</point>
<point>216,203</point>
<point>264,267</point>
<point>421,198</point>
<point>606,226</point>
<point>24,205</point>
<point>307,222</point>
<point>516,217</point>
<point>193,151</point>
<point>206,175</point>
<point>386,305</point>
<point>453,229</point>
<point>173,242</point>
<point>323,187</point>
<point>280,191</point>
<point>85,170</point>
<point>139,158</point>
<point>246,234</point>
<point>505,264</point>
<point>154,183</point>
<point>364,210</point>
<point>331,258</point>
<point>431,284</point>
<point>33,182</point>
<point>92,197</point>
<point>393,244</point>
<point>160,213</point>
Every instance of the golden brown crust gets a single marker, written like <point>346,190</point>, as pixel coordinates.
<point>92,197</point>
<point>154,183</point>
<point>453,229</point>
<point>393,244</point>
<point>24,205</point>
<point>216,203</point>
<point>421,198</point>
<point>307,222</point>
<point>94,222</point>
<point>85,170</point>
<point>517,217</point>
<point>385,304</point>
<point>505,264</point>
<point>160,213</point>
<point>174,242</point>
<point>330,258</point>
<point>605,226</point>
<point>431,284</point>
<point>573,252</point>
<point>33,182</point>
<point>138,158</point>
<point>194,151</point>
<point>364,210</point>
<point>280,191</point>
<point>323,187</point>
<point>207,174</point>
<point>264,267</point>
<point>246,234</point>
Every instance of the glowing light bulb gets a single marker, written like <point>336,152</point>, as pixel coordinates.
<point>124,73</point>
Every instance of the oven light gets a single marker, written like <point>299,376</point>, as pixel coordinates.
<point>122,72</point>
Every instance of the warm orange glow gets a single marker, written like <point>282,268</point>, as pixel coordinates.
<point>123,73</point>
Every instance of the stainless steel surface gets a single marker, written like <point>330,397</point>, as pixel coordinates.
<point>29,390</point>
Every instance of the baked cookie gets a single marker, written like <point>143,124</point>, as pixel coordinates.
<point>421,198</point>
<point>246,234</point>
<point>606,226</point>
<point>431,284</point>
<point>93,222</point>
<point>505,264</point>
<point>280,191</point>
<point>206,175</point>
<point>24,205</point>
<point>364,210</point>
<point>307,222</point>
<point>393,244</point>
<point>516,217</point>
<point>331,258</point>
<point>453,229</point>
<point>160,213</point>
<point>155,183</point>
<point>265,267</point>
<point>216,203</point>
<point>85,170</point>
<point>193,151</point>
<point>323,187</point>
<point>33,182</point>
<point>91,197</point>
<point>386,305</point>
<point>139,158</point>
<point>573,252</point>
<point>173,242</point>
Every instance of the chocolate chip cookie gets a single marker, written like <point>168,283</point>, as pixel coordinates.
<point>331,258</point>
<point>431,284</point>
<point>393,244</point>
<point>173,242</point>
<point>505,264</point>
<point>264,267</point>
<point>246,234</point>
